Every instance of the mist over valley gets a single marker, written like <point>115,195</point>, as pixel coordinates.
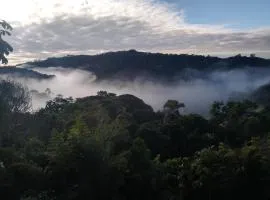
<point>135,99</point>
<point>186,78</point>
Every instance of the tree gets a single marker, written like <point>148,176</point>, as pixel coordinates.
<point>105,94</point>
<point>238,55</point>
<point>173,105</point>
<point>5,47</point>
<point>14,96</point>
<point>58,104</point>
<point>239,121</point>
<point>15,101</point>
<point>139,175</point>
<point>34,150</point>
<point>171,109</point>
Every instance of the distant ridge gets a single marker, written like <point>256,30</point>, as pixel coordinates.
<point>23,73</point>
<point>132,64</point>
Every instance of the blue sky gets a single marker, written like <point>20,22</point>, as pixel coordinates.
<point>236,13</point>
<point>60,27</point>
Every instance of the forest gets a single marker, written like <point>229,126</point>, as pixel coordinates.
<point>159,67</point>
<point>112,146</point>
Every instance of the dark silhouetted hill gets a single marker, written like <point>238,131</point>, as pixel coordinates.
<point>128,65</point>
<point>23,73</point>
<point>262,95</point>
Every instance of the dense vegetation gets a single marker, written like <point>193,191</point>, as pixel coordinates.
<point>116,147</point>
<point>5,47</point>
<point>128,65</point>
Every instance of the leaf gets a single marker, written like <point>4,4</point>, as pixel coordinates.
<point>4,59</point>
<point>6,25</point>
<point>8,33</point>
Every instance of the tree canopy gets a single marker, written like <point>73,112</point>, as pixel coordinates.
<point>116,147</point>
<point>5,47</point>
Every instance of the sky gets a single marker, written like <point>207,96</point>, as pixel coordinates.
<point>244,14</point>
<point>46,28</point>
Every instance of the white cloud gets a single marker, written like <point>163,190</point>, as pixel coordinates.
<point>197,93</point>
<point>58,27</point>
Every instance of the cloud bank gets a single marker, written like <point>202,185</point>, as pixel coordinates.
<point>198,93</point>
<point>60,27</point>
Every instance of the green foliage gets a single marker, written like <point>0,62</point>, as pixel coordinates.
<point>34,151</point>
<point>5,47</point>
<point>14,96</point>
<point>117,147</point>
<point>173,105</point>
<point>171,110</point>
<point>15,102</point>
<point>105,94</point>
<point>78,129</point>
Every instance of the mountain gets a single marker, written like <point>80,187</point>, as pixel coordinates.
<point>262,95</point>
<point>129,65</point>
<point>95,111</point>
<point>23,73</point>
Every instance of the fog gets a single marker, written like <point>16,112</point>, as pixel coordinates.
<point>198,93</point>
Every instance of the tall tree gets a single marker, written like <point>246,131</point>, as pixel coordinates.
<point>5,47</point>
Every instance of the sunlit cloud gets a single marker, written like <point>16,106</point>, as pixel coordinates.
<point>60,27</point>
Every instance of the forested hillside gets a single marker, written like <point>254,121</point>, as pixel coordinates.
<point>116,147</point>
<point>128,65</point>
<point>23,73</point>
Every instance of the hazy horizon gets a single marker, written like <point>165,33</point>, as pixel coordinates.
<point>219,55</point>
<point>55,28</point>
<point>198,93</point>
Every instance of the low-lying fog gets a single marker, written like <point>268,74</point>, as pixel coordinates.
<point>198,93</point>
